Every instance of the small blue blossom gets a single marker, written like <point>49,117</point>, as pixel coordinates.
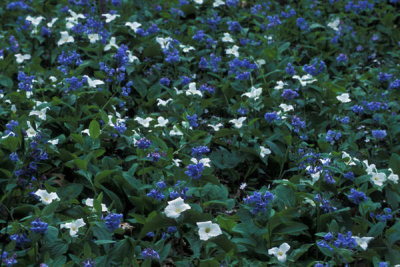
<point>37,226</point>
<point>112,221</point>
<point>150,253</point>
<point>356,196</point>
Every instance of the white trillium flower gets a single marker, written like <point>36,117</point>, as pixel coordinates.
<point>216,127</point>
<point>89,202</point>
<point>305,79</point>
<point>73,226</point>
<point>164,42</point>
<point>370,167</point>
<point>93,37</point>
<point>133,25</point>
<point>73,20</point>
<point>177,162</point>
<point>51,23</point>
<point>178,92</point>
<point>162,122</point>
<point>264,151</point>
<point>344,98</point>
<point>186,48</point>
<point>192,90</point>
<point>53,79</point>
<point>280,253</point>
<point>110,17</point>
<point>13,108</point>
<point>242,186</point>
<point>93,83</point>
<point>131,57</point>
<point>260,62</point>
<point>175,131</point>
<point>393,177</point>
<point>65,38</point>
<point>315,177</point>
<point>238,123</point>
<point>176,207</point>
<point>53,142</point>
<point>350,161</point>
<point>254,93</point>
<point>21,58</point>
<point>163,103</point>
<point>199,2</point>
<point>86,131</point>
<point>35,22</point>
<point>208,230</point>
<point>285,107</point>
<point>111,44</point>
<point>204,161</point>
<point>334,24</point>
<point>233,51</point>
<point>46,197</point>
<point>378,178</point>
<point>279,85</point>
<point>218,3</point>
<point>30,132</point>
<point>227,38</point>
<point>40,113</point>
<point>144,122</point>
<point>362,241</point>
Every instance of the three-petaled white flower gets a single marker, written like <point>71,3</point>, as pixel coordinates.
<point>65,38</point>
<point>186,48</point>
<point>73,226</point>
<point>234,50</point>
<point>204,161</point>
<point>216,127</point>
<point>35,22</point>
<point>110,17</point>
<point>46,197</point>
<point>21,58</point>
<point>305,79</point>
<point>227,38</point>
<point>164,42</point>
<point>393,177</point>
<point>378,178</point>
<point>73,20</point>
<point>279,85</point>
<point>238,123</point>
<point>208,230</point>
<point>93,37</point>
<point>133,25</point>
<point>334,24</point>
<point>285,107</point>
<point>264,151</point>
<point>348,159</point>
<point>40,113</point>
<point>192,90</point>
<point>175,131</point>
<point>111,44</point>
<point>162,122</point>
<point>176,207</point>
<point>254,93</point>
<point>93,83</point>
<point>344,98</point>
<point>280,253</point>
<point>362,241</point>
<point>218,3</point>
<point>161,102</point>
<point>51,23</point>
<point>30,132</point>
<point>144,122</point>
<point>89,203</point>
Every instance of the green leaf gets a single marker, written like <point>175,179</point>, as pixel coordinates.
<point>94,129</point>
<point>101,176</point>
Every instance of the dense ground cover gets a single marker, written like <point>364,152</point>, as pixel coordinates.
<point>199,133</point>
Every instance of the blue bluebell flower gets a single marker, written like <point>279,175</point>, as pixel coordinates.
<point>112,221</point>
<point>150,253</point>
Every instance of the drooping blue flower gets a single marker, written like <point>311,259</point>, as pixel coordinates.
<point>192,120</point>
<point>195,170</point>
<point>357,196</point>
<point>39,227</point>
<point>379,134</point>
<point>290,69</point>
<point>197,152</point>
<point>150,253</point>
<point>302,24</point>
<point>143,143</point>
<point>154,193</point>
<point>258,201</point>
<point>271,116</point>
<point>112,221</point>
<point>342,58</point>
